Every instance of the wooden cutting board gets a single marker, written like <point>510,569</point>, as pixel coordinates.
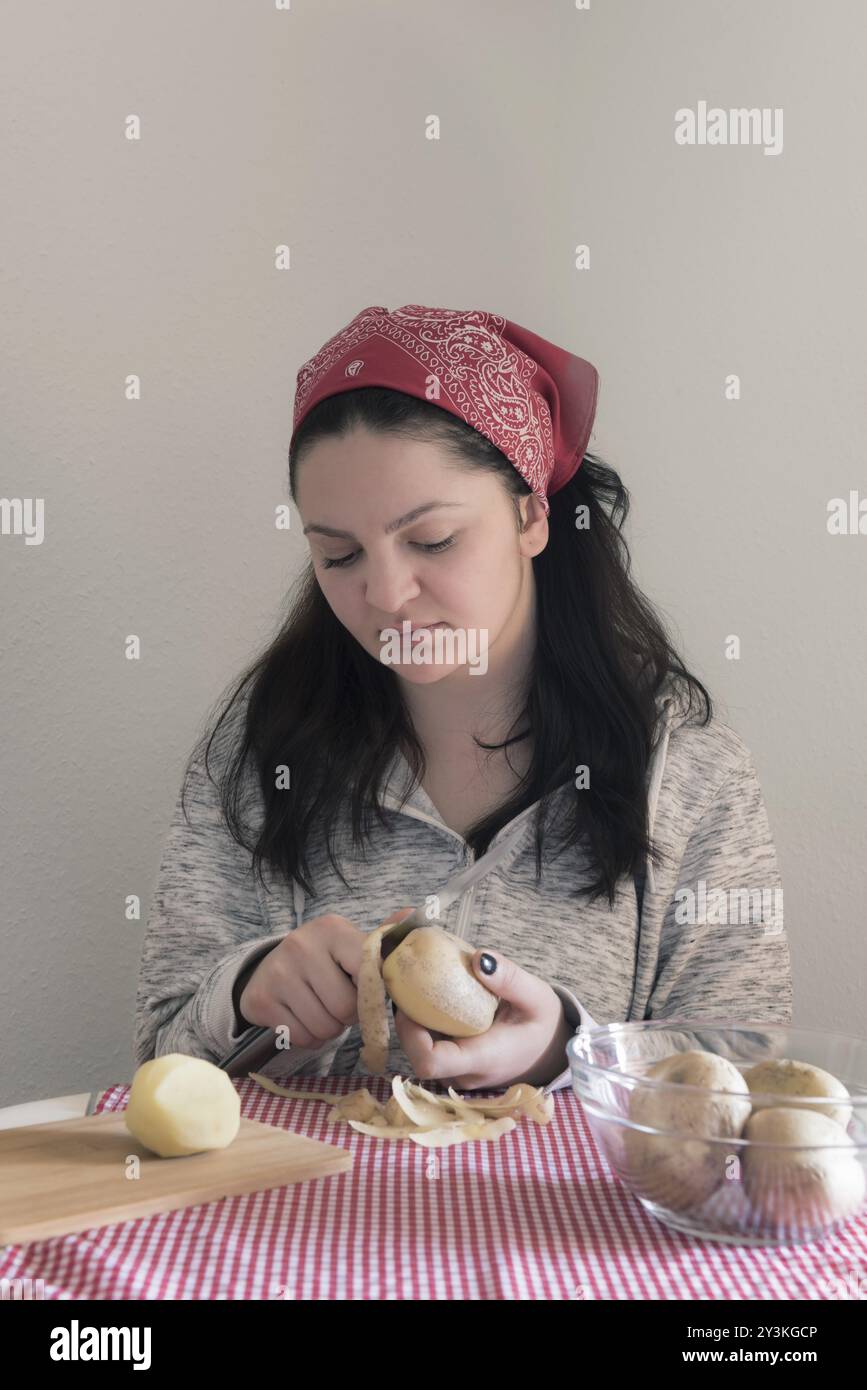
<point>70,1175</point>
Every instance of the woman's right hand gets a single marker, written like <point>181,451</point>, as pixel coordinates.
<point>308,982</point>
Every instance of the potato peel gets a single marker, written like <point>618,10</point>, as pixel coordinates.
<point>395,1115</point>
<point>455,1106</point>
<point>384,1131</point>
<point>411,1112</point>
<point>424,1111</point>
<point>520,1099</point>
<point>485,1105</point>
<point>358,1105</point>
<point>372,1008</point>
<point>536,1105</point>
<point>462,1132</point>
<point>429,1120</point>
<point>267,1084</point>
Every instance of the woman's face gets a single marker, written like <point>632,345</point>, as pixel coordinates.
<point>383,554</point>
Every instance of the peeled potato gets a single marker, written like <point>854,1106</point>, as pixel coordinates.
<point>796,1190</point>
<point>430,978</point>
<point>789,1079</point>
<point>182,1105</point>
<point>677,1169</point>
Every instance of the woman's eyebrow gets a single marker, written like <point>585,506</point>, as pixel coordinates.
<point>389,527</point>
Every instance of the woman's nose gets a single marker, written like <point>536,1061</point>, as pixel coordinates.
<point>390,585</point>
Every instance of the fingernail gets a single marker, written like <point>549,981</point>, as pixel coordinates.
<point>487,964</point>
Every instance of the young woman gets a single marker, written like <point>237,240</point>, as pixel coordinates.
<point>467,676</point>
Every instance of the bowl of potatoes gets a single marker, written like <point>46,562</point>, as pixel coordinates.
<point>752,1134</point>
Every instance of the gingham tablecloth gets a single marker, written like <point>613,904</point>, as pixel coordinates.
<point>536,1214</point>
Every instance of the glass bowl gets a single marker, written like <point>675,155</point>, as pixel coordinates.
<point>692,1155</point>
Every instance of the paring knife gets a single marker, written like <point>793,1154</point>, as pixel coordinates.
<point>258,1045</point>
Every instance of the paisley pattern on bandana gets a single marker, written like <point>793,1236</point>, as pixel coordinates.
<point>481,378</point>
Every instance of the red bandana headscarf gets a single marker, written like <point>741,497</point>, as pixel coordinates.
<point>533,400</point>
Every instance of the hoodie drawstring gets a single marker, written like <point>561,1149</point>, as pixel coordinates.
<point>660,753</point>
<point>298,902</point>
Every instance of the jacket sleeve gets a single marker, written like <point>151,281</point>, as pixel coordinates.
<point>579,1018</point>
<point>723,951</point>
<point>207,922</point>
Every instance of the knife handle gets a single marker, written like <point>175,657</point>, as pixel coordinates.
<point>255,1048</point>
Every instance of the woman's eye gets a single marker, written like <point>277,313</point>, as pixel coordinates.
<point>344,560</point>
<point>431,547</point>
<point>438,545</point>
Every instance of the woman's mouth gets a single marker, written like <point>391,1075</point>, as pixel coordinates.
<point>415,628</point>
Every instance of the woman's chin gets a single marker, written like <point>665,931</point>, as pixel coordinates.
<point>424,674</point>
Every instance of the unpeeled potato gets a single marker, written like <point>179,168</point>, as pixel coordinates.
<point>677,1167</point>
<point>801,1170</point>
<point>790,1080</point>
<point>182,1105</point>
<point>430,977</point>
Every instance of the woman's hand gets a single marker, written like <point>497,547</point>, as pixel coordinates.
<point>526,1042</point>
<point>308,983</point>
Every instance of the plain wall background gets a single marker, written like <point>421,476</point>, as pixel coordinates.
<point>306,127</point>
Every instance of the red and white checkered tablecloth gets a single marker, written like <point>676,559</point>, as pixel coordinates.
<point>536,1214</point>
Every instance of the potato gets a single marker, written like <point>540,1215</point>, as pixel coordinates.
<point>430,977</point>
<point>798,1190</point>
<point>785,1078</point>
<point>677,1169</point>
<point>182,1105</point>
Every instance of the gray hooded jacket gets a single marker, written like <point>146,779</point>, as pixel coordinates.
<point>701,937</point>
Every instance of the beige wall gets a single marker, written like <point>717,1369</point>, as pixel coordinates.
<point>306,127</point>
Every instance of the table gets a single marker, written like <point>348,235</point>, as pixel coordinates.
<point>536,1214</point>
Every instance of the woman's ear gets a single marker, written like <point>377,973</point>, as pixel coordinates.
<point>534,525</point>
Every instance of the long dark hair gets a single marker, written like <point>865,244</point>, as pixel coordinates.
<point>321,705</point>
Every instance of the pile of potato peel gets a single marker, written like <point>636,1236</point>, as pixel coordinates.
<point>432,1121</point>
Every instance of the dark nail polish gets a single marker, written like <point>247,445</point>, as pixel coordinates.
<point>487,964</point>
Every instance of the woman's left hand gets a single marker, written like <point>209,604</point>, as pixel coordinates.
<point>526,1042</point>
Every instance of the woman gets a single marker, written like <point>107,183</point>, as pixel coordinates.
<point>467,675</point>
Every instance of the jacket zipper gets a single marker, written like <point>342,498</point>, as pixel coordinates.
<point>466,904</point>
